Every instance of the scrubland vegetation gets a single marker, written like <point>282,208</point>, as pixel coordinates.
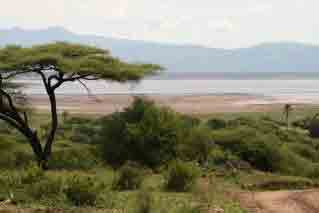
<point>151,159</point>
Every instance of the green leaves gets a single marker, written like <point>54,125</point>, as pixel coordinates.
<point>72,59</point>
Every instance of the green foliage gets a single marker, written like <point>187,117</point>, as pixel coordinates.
<point>129,177</point>
<point>304,150</point>
<point>13,152</point>
<point>190,121</point>
<point>267,147</point>
<point>230,207</point>
<point>69,58</point>
<point>82,191</point>
<point>76,158</point>
<point>314,128</point>
<point>144,200</point>
<point>284,183</point>
<point>78,130</point>
<point>291,163</point>
<point>220,157</point>
<point>32,174</point>
<point>187,208</point>
<point>45,188</point>
<point>260,150</point>
<point>181,176</point>
<point>216,123</point>
<point>302,123</point>
<point>196,145</point>
<point>143,133</point>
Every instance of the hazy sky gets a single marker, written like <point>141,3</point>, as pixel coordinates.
<point>214,23</point>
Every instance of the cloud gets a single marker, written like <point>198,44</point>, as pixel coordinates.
<point>221,25</point>
<point>205,22</point>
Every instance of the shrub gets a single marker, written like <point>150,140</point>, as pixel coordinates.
<point>143,133</point>
<point>22,159</point>
<point>190,121</point>
<point>219,156</point>
<point>47,187</point>
<point>302,123</point>
<point>181,176</point>
<point>76,158</point>
<point>32,174</point>
<point>259,149</point>
<point>129,177</point>
<point>188,208</point>
<point>260,152</point>
<point>144,202</point>
<point>304,150</point>
<point>196,146</point>
<point>216,123</point>
<point>242,121</point>
<point>291,163</point>
<point>314,128</point>
<point>82,191</point>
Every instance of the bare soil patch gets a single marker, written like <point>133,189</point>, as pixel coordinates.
<point>281,201</point>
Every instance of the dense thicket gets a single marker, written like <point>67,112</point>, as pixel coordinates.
<point>150,135</point>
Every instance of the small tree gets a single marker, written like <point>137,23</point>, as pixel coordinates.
<point>56,64</point>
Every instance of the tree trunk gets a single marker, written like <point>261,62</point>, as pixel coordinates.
<point>54,125</point>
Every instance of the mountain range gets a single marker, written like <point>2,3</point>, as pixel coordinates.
<point>267,57</point>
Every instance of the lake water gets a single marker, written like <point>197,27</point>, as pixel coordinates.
<point>292,90</point>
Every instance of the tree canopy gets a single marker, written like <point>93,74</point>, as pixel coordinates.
<point>73,60</point>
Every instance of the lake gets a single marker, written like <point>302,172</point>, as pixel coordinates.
<point>285,86</point>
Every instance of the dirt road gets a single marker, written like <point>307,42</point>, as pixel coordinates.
<point>281,201</point>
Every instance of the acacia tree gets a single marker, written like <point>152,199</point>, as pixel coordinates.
<point>56,64</point>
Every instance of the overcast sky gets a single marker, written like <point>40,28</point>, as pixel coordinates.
<point>214,23</point>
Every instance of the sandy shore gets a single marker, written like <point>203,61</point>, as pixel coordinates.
<point>204,104</point>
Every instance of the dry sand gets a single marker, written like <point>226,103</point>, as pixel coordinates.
<point>105,104</point>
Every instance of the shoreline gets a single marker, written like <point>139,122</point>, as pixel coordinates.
<point>188,104</point>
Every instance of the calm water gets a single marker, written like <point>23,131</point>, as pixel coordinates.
<point>305,90</point>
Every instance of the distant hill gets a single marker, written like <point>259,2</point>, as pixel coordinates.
<point>268,57</point>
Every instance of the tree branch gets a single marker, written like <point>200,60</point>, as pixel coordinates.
<point>12,122</point>
<point>13,110</point>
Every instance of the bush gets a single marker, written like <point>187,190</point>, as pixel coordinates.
<point>260,152</point>
<point>291,163</point>
<point>219,156</point>
<point>196,146</point>
<point>259,149</point>
<point>302,123</point>
<point>76,158</point>
<point>47,187</point>
<point>82,191</point>
<point>304,150</point>
<point>216,123</point>
<point>286,152</point>
<point>129,177</point>
<point>144,202</point>
<point>32,174</point>
<point>314,128</point>
<point>190,121</point>
<point>181,176</point>
<point>143,133</point>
